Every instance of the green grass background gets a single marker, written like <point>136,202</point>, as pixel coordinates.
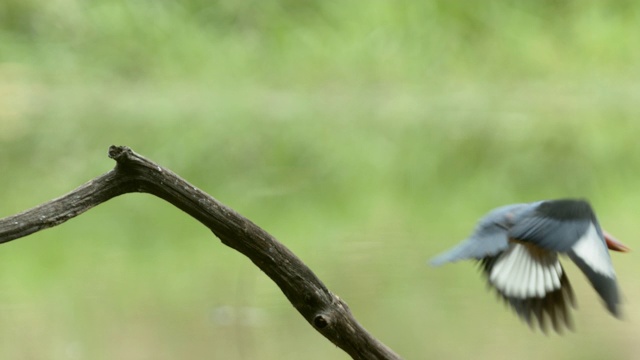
<point>367,136</point>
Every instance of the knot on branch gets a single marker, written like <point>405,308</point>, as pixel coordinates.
<point>320,321</point>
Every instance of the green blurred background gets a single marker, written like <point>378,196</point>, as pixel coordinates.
<point>367,136</point>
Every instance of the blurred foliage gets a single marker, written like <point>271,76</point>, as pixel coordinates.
<point>366,136</point>
<point>324,40</point>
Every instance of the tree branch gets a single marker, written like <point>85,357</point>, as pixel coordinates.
<point>326,312</point>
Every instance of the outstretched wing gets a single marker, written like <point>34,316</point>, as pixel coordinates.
<point>533,283</point>
<point>571,227</point>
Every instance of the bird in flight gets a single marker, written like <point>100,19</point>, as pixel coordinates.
<point>518,245</point>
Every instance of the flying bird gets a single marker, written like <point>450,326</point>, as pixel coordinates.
<point>518,245</point>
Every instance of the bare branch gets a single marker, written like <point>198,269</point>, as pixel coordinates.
<point>326,312</point>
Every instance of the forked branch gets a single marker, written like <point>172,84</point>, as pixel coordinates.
<point>326,312</point>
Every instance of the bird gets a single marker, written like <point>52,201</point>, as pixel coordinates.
<point>518,247</point>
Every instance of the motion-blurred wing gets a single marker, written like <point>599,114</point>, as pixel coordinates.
<point>554,225</point>
<point>571,227</point>
<point>533,283</point>
<point>591,255</point>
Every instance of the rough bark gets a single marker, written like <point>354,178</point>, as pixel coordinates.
<point>325,311</point>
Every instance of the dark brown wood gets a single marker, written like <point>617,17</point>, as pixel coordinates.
<point>325,311</point>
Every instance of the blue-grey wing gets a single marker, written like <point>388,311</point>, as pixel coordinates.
<point>570,226</point>
<point>604,283</point>
<point>554,225</point>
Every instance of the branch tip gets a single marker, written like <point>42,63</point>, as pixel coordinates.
<point>117,152</point>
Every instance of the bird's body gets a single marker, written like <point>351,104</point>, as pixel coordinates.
<point>518,247</point>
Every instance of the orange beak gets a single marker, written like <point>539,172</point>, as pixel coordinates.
<point>614,244</point>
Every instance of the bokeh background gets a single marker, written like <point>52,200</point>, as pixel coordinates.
<point>367,136</point>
